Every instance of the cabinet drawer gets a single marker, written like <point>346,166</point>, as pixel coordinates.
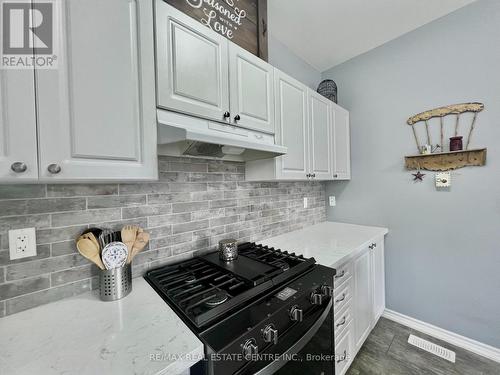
<point>344,351</point>
<point>344,273</point>
<point>342,320</point>
<point>342,296</point>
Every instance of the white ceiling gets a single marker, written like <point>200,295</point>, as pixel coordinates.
<point>326,33</point>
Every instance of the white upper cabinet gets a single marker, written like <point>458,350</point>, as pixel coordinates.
<point>304,124</point>
<point>341,143</point>
<point>192,65</point>
<point>291,127</point>
<point>321,139</point>
<point>18,157</point>
<point>251,90</point>
<point>97,111</point>
<point>201,73</point>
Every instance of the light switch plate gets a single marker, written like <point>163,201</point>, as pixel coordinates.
<point>332,201</point>
<point>22,243</point>
<point>443,179</point>
<point>306,203</point>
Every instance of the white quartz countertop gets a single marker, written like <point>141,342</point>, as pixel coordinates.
<point>81,335</point>
<point>330,243</point>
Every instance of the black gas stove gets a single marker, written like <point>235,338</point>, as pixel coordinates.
<point>260,313</point>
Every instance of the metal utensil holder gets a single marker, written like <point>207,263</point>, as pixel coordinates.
<point>115,283</point>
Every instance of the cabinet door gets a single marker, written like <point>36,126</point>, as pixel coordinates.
<point>320,136</point>
<point>291,127</point>
<point>363,303</point>
<point>251,90</point>
<point>377,255</point>
<point>18,148</point>
<point>97,114</point>
<point>341,143</point>
<point>191,65</point>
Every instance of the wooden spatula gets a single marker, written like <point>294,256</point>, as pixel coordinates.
<point>90,251</point>
<point>140,242</point>
<point>129,234</point>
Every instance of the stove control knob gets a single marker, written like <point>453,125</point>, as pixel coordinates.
<point>316,298</point>
<point>250,348</point>
<point>327,291</point>
<point>270,334</point>
<point>295,314</point>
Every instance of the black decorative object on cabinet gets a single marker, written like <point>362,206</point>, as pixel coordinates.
<point>328,89</point>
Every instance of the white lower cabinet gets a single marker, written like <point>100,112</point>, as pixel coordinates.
<point>344,351</point>
<point>359,301</point>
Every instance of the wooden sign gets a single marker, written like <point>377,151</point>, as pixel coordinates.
<point>244,22</point>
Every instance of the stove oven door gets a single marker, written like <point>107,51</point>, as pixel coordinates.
<point>308,348</point>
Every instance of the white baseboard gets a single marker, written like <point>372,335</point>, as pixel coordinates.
<point>463,342</point>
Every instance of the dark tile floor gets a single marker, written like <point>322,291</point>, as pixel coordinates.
<point>387,352</point>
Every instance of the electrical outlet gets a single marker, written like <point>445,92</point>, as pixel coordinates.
<point>332,201</point>
<point>306,203</point>
<point>22,243</point>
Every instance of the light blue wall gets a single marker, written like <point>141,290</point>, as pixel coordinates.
<point>443,249</point>
<point>285,60</point>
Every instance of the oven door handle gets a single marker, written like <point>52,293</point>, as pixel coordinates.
<point>299,344</point>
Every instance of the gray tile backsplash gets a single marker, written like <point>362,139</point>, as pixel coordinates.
<point>195,204</point>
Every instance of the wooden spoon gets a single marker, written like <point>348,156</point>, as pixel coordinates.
<point>140,242</point>
<point>90,251</point>
<point>92,237</point>
<point>129,234</point>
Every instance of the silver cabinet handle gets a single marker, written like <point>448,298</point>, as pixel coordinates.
<point>226,114</point>
<point>343,357</point>
<point>335,175</point>
<point>342,322</point>
<point>340,275</point>
<point>372,246</point>
<point>237,118</point>
<point>341,299</point>
<point>19,167</point>
<point>54,168</point>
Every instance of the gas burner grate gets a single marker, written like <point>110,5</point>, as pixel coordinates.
<point>272,256</point>
<point>204,288</point>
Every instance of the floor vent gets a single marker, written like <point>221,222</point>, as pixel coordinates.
<point>432,348</point>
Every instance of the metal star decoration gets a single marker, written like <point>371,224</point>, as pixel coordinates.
<point>418,176</point>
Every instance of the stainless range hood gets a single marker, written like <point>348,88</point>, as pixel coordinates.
<point>180,135</point>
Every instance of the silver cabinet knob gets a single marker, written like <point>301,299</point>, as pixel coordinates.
<point>54,168</point>
<point>335,175</point>
<point>19,167</point>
